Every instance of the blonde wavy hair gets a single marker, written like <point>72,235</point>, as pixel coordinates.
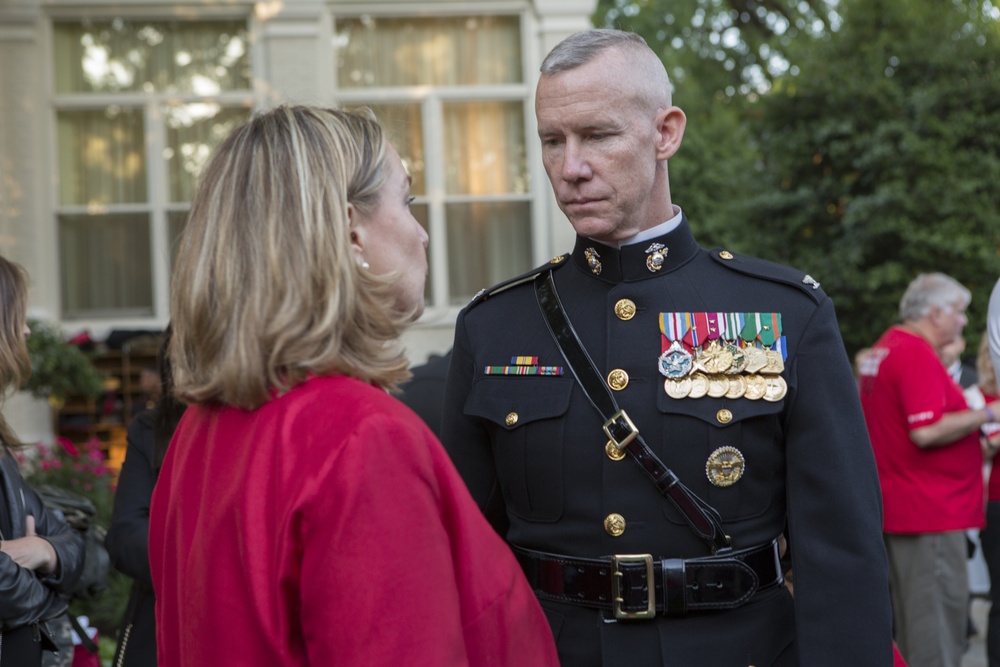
<point>15,365</point>
<point>266,291</point>
<point>987,379</point>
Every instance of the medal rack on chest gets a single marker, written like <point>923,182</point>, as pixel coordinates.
<point>723,355</point>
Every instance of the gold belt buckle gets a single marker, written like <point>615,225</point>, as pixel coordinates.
<point>647,560</point>
<point>632,430</point>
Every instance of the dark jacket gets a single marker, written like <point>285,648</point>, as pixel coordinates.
<point>534,446</point>
<point>126,543</point>
<point>27,597</point>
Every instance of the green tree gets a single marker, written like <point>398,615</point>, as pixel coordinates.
<point>880,159</point>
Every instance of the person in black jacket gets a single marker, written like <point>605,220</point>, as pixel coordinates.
<point>40,556</point>
<point>148,437</point>
<point>730,369</point>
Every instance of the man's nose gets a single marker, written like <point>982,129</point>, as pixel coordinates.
<point>575,166</point>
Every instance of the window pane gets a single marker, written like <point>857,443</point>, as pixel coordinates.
<point>404,124</point>
<point>105,265</point>
<point>193,131</point>
<point>484,148</point>
<point>487,242</point>
<point>120,55</point>
<point>440,51</point>
<point>102,158</point>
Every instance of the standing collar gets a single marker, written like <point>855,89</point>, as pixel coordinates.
<point>634,261</point>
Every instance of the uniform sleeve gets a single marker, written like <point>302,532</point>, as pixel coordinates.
<point>842,607</point>
<point>128,534</point>
<point>465,438</point>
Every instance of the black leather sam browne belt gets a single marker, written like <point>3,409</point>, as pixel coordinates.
<point>636,586</point>
<point>639,587</point>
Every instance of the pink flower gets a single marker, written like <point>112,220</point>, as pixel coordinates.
<point>68,446</point>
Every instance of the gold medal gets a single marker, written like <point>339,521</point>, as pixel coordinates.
<point>725,466</point>
<point>737,386</point>
<point>756,359</point>
<point>739,363</point>
<point>756,387</point>
<point>776,388</point>
<point>718,385</point>
<point>775,364</point>
<point>679,388</point>
<point>716,358</point>
<point>699,385</point>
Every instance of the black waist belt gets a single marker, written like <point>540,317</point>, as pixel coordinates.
<point>635,586</point>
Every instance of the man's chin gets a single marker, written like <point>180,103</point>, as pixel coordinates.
<point>595,228</point>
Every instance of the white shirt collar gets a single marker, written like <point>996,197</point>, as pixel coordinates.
<point>654,232</point>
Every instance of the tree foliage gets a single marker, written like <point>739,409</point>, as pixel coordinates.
<point>857,140</point>
<point>881,159</point>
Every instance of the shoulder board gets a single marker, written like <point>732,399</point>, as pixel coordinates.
<point>761,268</point>
<point>484,294</point>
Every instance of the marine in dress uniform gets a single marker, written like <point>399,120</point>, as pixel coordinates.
<point>531,445</point>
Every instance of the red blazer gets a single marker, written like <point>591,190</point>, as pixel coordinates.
<point>329,527</point>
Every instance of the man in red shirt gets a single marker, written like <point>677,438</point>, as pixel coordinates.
<point>926,445</point>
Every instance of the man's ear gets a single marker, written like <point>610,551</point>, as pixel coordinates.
<point>670,124</point>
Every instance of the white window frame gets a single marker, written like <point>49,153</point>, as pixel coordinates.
<point>158,205</point>
<point>432,100</point>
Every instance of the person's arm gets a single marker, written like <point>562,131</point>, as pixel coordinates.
<point>128,533</point>
<point>464,437</point>
<point>954,425</point>
<point>31,552</point>
<point>834,508</point>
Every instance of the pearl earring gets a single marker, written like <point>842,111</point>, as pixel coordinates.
<point>365,265</point>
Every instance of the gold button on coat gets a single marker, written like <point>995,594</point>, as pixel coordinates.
<point>613,452</point>
<point>511,418</point>
<point>725,254</point>
<point>625,309</point>
<point>618,379</point>
<point>724,416</point>
<point>614,525</point>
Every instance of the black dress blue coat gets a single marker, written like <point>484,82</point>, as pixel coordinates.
<point>127,543</point>
<point>547,484</point>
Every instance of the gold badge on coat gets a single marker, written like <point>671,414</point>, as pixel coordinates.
<point>725,466</point>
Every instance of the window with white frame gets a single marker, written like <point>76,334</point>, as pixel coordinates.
<point>139,105</point>
<point>451,92</point>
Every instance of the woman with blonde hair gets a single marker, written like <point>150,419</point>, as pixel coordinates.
<point>303,516</point>
<point>40,556</point>
<point>978,396</point>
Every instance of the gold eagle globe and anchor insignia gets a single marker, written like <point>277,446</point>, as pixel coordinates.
<point>656,255</point>
<point>725,466</point>
<point>593,261</point>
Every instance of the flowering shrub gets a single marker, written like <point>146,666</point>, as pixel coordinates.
<point>81,467</point>
<point>75,467</point>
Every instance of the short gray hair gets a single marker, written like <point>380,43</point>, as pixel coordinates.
<point>929,291</point>
<point>582,47</point>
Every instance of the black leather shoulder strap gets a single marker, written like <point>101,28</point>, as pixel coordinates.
<point>702,517</point>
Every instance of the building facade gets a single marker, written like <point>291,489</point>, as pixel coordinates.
<point>108,111</point>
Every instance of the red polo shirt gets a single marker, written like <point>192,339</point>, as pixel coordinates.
<point>924,490</point>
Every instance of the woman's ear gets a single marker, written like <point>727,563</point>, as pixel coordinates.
<point>357,232</point>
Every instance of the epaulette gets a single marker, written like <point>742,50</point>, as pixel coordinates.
<point>761,268</point>
<point>484,294</point>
